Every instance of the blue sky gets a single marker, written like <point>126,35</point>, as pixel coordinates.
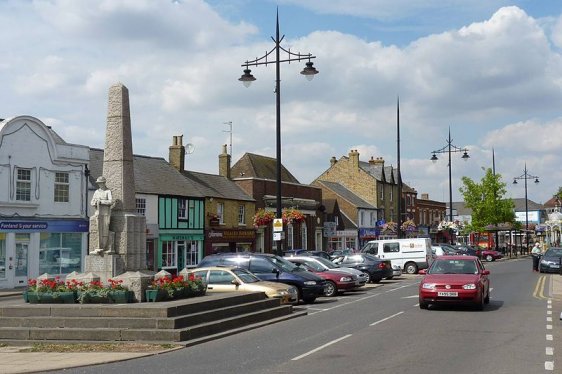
<point>490,70</point>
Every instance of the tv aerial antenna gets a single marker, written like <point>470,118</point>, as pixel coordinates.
<point>229,123</point>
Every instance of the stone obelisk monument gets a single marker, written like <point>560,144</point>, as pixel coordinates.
<point>126,250</point>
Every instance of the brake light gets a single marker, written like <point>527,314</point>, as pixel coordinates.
<point>382,265</point>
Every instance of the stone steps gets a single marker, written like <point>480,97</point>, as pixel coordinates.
<point>180,321</point>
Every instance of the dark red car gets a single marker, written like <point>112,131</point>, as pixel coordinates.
<point>455,280</point>
<point>336,281</point>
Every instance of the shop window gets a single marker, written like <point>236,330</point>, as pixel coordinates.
<point>23,185</point>
<point>60,253</point>
<point>141,206</point>
<point>192,254</point>
<point>304,235</point>
<point>62,187</point>
<point>169,255</point>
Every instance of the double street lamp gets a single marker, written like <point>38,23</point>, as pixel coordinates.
<point>450,148</point>
<point>526,176</point>
<point>247,78</point>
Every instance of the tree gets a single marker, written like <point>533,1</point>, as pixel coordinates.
<point>559,193</point>
<point>486,199</point>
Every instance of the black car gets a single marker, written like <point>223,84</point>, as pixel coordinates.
<point>377,268</point>
<point>467,250</point>
<point>272,268</point>
<point>550,260</point>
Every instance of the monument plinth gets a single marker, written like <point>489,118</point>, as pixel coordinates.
<point>117,232</point>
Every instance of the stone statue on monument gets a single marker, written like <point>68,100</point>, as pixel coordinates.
<point>103,202</point>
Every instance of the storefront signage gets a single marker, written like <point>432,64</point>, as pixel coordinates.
<point>48,226</point>
<point>368,233</point>
<point>231,235</point>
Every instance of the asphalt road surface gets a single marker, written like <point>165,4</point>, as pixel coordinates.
<point>382,330</point>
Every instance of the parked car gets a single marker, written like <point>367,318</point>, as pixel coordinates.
<point>235,279</point>
<point>489,254</point>
<point>550,260</point>
<point>377,268</point>
<point>269,267</point>
<point>340,252</point>
<point>455,280</point>
<point>362,278</point>
<point>441,250</point>
<point>293,252</point>
<point>318,254</point>
<point>336,281</point>
<point>467,250</point>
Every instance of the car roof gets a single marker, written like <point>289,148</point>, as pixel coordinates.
<point>218,267</point>
<point>240,254</point>
<point>457,257</point>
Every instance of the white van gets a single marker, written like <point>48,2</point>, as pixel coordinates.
<point>410,254</point>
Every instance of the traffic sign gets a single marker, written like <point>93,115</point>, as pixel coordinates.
<point>277,224</point>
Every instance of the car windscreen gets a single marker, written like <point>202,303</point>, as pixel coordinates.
<point>326,263</point>
<point>553,252</point>
<point>245,275</point>
<point>283,264</point>
<point>441,266</point>
<point>314,265</point>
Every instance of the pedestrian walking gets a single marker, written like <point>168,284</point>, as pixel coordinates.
<point>536,253</point>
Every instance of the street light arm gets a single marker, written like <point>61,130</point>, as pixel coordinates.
<point>454,148</point>
<point>297,57</point>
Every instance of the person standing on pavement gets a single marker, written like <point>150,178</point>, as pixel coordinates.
<point>535,253</point>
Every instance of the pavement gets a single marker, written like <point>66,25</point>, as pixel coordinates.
<point>13,360</point>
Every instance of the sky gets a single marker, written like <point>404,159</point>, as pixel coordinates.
<point>488,71</point>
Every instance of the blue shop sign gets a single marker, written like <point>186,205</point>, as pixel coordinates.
<point>369,232</point>
<point>44,226</point>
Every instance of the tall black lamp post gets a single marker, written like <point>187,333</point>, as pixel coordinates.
<point>450,148</point>
<point>526,176</point>
<point>247,78</point>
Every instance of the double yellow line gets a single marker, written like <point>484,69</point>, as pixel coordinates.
<point>539,288</point>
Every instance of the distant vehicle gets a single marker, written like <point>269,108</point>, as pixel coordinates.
<point>550,260</point>
<point>234,279</point>
<point>336,281</point>
<point>272,268</point>
<point>455,280</point>
<point>362,277</point>
<point>340,252</point>
<point>409,254</point>
<point>439,250</point>
<point>377,268</point>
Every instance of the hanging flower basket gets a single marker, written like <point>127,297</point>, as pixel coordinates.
<point>263,217</point>
<point>389,228</point>
<point>292,216</point>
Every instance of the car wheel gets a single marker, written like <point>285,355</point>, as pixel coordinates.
<point>330,290</point>
<point>489,258</point>
<point>487,298</point>
<point>423,304</point>
<point>377,280</point>
<point>389,278</point>
<point>411,268</point>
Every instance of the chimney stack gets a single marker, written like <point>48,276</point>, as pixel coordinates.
<point>177,153</point>
<point>354,158</point>
<point>333,161</point>
<point>224,163</point>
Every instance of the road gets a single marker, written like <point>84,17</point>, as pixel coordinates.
<point>382,330</point>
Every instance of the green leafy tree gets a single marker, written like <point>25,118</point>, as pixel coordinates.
<point>559,193</point>
<point>486,199</point>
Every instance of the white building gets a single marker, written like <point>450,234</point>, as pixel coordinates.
<point>43,207</point>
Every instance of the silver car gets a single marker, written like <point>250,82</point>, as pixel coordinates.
<point>362,277</point>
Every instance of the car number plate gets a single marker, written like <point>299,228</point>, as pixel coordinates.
<point>448,294</point>
<point>555,266</point>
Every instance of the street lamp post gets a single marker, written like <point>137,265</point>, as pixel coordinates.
<point>247,78</point>
<point>450,148</point>
<point>526,176</point>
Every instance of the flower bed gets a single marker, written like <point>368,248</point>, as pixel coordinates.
<point>171,288</point>
<point>55,291</point>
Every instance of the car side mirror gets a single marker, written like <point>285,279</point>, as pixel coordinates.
<point>485,272</point>
<point>275,271</point>
<point>235,282</point>
<point>422,272</point>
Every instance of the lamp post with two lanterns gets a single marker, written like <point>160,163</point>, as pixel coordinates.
<point>450,148</point>
<point>247,78</point>
<point>526,176</point>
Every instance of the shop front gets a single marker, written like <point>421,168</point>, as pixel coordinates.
<point>229,240</point>
<point>29,248</point>
<point>179,250</point>
<point>344,239</point>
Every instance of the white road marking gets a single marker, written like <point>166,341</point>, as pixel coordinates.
<point>385,319</point>
<point>549,351</point>
<point>548,337</point>
<point>549,365</point>
<point>321,347</point>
